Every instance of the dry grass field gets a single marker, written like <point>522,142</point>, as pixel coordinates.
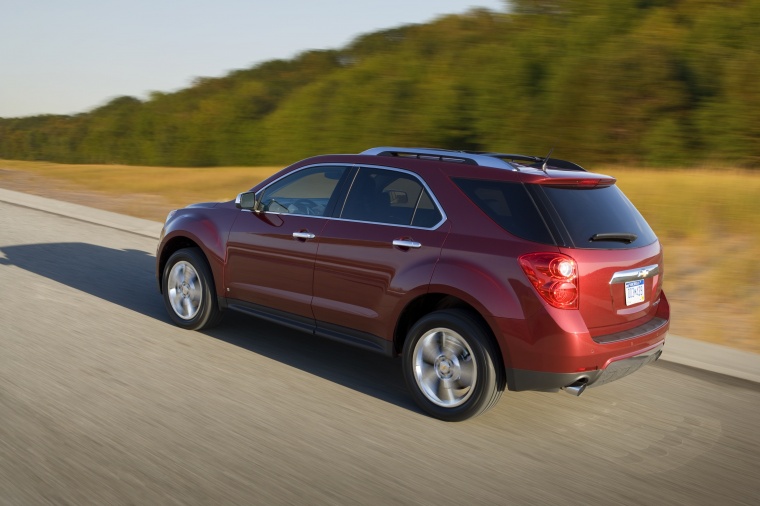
<point>707,219</point>
<point>709,223</point>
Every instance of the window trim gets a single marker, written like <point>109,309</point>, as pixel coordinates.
<point>416,176</point>
<point>336,192</point>
<point>343,192</point>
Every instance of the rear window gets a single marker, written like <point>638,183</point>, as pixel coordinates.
<point>509,205</point>
<point>599,213</point>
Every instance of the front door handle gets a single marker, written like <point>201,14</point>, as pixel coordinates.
<point>403,243</point>
<point>303,235</point>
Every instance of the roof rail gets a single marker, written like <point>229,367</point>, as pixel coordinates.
<point>443,155</point>
<point>535,161</point>
<point>483,158</point>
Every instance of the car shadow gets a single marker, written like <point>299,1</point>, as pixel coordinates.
<point>126,278</point>
<point>123,277</point>
<point>361,370</point>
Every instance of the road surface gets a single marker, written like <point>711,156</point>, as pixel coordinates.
<point>103,401</point>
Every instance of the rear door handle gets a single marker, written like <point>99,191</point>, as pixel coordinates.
<point>403,243</point>
<point>303,235</point>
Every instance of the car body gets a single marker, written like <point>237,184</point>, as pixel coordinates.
<point>483,271</point>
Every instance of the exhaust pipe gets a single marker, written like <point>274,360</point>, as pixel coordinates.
<point>576,388</point>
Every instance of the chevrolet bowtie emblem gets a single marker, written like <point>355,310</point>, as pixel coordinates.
<point>643,273</point>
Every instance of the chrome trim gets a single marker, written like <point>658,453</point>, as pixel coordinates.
<point>346,166</point>
<point>401,243</point>
<point>387,224</point>
<point>634,274</point>
<point>303,235</point>
<point>395,169</point>
<point>437,204</point>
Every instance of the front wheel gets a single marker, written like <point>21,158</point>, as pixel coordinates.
<point>451,365</point>
<point>188,288</point>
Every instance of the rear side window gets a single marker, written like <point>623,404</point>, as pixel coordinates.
<point>590,215</point>
<point>391,197</point>
<point>509,205</point>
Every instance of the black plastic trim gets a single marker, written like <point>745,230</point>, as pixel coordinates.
<point>652,325</point>
<point>354,338</point>
<point>283,318</point>
<point>623,368</point>
<point>315,327</point>
<point>522,379</point>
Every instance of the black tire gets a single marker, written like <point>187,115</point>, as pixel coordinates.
<point>452,366</point>
<point>188,288</point>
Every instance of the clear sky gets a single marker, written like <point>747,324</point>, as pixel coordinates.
<point>69,56</point>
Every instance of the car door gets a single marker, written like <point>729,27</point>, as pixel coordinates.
<point>379,251</point>
<point>271,253</point>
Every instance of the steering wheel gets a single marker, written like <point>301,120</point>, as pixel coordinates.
<point>307,206</point>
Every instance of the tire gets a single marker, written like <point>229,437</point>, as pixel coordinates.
<point>188,288</point>
<point>451,365</point>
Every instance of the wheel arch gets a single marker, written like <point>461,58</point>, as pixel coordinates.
<point>427,303</point>
<point>172,245</point>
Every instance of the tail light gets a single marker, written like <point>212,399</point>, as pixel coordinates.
<point>554,276</point>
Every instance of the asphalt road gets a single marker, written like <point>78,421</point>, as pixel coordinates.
<point>103,401</point>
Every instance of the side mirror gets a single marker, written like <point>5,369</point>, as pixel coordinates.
<point>246,200</point>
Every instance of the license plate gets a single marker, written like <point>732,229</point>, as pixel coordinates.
<point>634,292</point>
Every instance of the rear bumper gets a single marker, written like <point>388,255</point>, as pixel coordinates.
<point>551,381</point>
<point>555,356</point>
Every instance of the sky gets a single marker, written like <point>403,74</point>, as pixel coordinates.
<point>70,56</point>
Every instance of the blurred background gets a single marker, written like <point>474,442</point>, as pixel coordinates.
<point>662,94</point>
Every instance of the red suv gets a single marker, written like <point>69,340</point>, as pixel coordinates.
<point>481,270</point>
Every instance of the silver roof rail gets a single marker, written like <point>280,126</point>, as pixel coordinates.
<point>444,155</point>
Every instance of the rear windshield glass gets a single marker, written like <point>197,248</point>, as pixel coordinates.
<point>599,218</point>
<point>509,205</point>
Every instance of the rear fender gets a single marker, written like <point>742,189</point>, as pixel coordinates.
<point>493,298</point>
<point>491,294</point>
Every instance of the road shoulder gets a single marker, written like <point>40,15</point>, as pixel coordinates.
<point>109,219</point>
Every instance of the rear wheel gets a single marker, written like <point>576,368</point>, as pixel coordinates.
<point>188,288</point>
<point>451,365</point>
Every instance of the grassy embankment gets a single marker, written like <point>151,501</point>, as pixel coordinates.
<point>708,221</point>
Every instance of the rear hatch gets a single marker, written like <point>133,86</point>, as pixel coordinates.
<point>587,218</point>
<point>618,255</point>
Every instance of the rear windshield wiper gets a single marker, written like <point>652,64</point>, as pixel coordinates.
<point>614,236</point>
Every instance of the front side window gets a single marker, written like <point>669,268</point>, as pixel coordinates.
<point>305,192</point>
<point>391,197</point>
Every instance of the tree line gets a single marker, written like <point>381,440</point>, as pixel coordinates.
<point>652,82</point>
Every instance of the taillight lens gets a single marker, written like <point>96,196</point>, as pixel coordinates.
<point>554,276</point>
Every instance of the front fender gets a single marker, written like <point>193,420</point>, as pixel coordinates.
<point>206,228</point>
